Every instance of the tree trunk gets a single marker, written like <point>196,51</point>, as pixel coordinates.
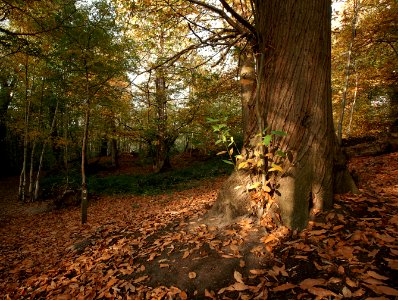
<point>37,182</point>
<point>353,105</point>
<point>347,76</point>
<point>84,199</point>
<point>22,178</point>
<point>6,87</point>
<point>293,95</point>
<point>162,161</point>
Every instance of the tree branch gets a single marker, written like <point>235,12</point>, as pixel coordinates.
<point>238,17</point>
<point>220,12</point>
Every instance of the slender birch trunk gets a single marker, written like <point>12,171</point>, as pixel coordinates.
<point>32,162</point>
<point>353,104</point>
<point>37,182</point>
<point>22,178</point>
<point>84,203</point>
<point>347,76</point>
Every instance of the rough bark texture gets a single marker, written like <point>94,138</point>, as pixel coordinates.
<point>293,94</point>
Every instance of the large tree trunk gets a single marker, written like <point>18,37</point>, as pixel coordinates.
<point>293,95</point>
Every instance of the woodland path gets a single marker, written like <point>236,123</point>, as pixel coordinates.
<point>155,247</point>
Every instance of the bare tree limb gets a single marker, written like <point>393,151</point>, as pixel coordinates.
<point>238,17</point>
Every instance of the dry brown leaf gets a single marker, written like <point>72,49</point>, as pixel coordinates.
<point>258,271</point>
<point>268,239</point>
<point>242,263</point>
<point>183,295</point>
<point>359,293</point>
<point>238,277</point>
<point>112,282</point>
<point>346,292</point>
<point>140,279</point>
<point>210,294</point>
<point>373,281</point>
<point>334,280</point>
<point>284,287</point>
<point>341,270</point>
<point>335,228</point>
<point>309,283</point>
<point>392,263</point>
<point>386,290</point>
<point>239,286</point>
<point>192,275</point>
<point>321,292</point>
<point>164,265</point>
<point>350,282</point>
<point>317,232</point>
<point>376,275</point>
<point>234,247</point>
<point>394,251</point>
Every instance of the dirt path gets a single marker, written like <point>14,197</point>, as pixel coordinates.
<point>157,248</point>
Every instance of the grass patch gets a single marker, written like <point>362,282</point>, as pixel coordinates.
<point>158,183</point>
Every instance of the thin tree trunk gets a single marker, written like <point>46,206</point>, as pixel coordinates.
<point>114,148</point>
<point>161,160</point>
<point>347,71</point>
<point>37,182</point>
<point>353,105</point>
<point>84,203</point>
<point>22,178</point>
<point>32,162</point>
<point>66,149</point>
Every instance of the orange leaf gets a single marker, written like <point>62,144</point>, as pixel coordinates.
<point>350,282</point>
<point>186,254</point>
<point>284,287</point>
<point>376,275</point>
<point>140,279</point>
<point>309,283</point>
<point>209,294</point>
<point>239,286</point>
<point>238,277</point>
<point>317,232</point>
<point>321,292</point>
<point>258,272</point>
<point>386,290</point>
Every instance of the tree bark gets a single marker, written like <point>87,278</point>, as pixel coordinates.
<point>293,94</point>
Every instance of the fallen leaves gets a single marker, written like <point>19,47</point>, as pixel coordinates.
<point>348,252</point>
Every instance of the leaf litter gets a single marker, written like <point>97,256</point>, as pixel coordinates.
<point>156,247</point>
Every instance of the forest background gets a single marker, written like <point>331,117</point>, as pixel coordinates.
<point>115,78</point>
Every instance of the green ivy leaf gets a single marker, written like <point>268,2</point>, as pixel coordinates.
<point>267,140</point>
<point>228,162</point>
<point>278,132</point>
<point>281,153</point>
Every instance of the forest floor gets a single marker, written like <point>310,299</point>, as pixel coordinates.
<point>156,247</point>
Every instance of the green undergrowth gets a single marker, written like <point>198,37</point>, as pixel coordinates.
<point>140,184</point>
<point>158,183</point>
